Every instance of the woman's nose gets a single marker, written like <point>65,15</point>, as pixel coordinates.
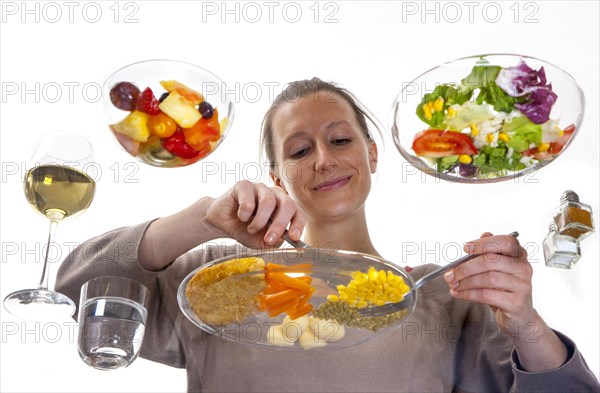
<point>324,159</point>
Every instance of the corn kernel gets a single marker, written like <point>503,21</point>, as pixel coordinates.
<point>544,147</point>
<point>465,159</point>
<point>427,112</point>
<point>451,112</point>
<point>474,130</point>
<point>489,138</point>
<point>503,137</point>
<point>438,105</point>
<point>372,274</point>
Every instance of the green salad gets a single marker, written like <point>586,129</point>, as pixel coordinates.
<point>496,120</point>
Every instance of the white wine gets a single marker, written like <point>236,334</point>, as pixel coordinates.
<point>58,191</point>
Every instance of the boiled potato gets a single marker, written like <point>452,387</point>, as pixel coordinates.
<point>308,340</point>
<point>293,328</point>
<point>275,336</point>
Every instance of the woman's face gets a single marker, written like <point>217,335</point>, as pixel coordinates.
<point>323,159</point>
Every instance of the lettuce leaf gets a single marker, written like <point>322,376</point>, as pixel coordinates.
<point>523,132</point>
<point>496,160</point>
<point>495,96</point>
<point>444,164</point>
<point>525,136</point>
<point>469,114</point>
<point>451,96</point>
<point>481,75</point>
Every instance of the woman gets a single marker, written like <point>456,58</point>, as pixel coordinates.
<point>322,156</point>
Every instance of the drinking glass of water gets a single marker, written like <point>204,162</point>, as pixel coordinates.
<point>112,318</point>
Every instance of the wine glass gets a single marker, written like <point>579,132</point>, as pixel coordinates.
<point>58,186</point>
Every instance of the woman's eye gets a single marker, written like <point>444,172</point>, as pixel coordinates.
<point>299,153</point>
<point>341,141</point>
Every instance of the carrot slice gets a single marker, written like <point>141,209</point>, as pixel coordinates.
<point>276,310</point>
<point>283,297</point>
<point>298,311</point>
<point>274,287</point>
<point>306,279</point>
<point>288,281</point>
<point>305,298</point>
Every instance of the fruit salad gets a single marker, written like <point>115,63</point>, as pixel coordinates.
<point>176,129</point>
<point>494,122</point>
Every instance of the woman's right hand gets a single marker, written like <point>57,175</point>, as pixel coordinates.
<point>251,213</point>
<point>255,215</point>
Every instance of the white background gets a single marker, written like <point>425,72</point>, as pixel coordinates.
<point>369,47</point>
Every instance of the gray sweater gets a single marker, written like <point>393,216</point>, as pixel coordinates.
<point>446,345</point>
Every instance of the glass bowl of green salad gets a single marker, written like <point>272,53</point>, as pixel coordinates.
<point>487,118</point>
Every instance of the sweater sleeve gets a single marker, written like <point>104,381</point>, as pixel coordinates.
<point>573,376</point>
<point>485,358</point>
<point>487,361</point>
<point>115,253</point>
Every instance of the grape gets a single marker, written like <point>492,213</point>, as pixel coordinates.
<point>206,110</point>
<point>124,95</point>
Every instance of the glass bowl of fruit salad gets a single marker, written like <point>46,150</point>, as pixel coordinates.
<point>167,113</point>
<point>487,118</point>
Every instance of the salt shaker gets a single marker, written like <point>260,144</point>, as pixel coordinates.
<point>573,218</point>
<point>560,250</point>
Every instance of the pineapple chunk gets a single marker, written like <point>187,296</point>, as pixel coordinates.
<point>180,110</point>
<point>135,126</point>
<point>191,95</point>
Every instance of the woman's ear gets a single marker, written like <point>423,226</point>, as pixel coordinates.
<point>276,180</point>
<point>373,157</point>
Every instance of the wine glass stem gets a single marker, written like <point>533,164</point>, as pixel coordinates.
<point>46,272</point>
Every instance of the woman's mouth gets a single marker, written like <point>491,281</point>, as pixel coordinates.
<point>332,184</point>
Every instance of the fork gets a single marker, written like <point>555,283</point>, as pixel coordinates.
<point>295,243</point>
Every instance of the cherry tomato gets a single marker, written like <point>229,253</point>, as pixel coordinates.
<point>440,143</point>
<point>530,152</point>
<point>204,130</point>
<point>556,147</point>
<point>537,154</point>
<point>162,125</point>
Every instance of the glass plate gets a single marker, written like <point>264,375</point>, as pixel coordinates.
<point>406,124</point>
<point>329,268</point>
<point>150,73</point>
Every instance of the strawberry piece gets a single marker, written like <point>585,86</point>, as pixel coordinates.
<point>176,144</point>
<point>147,103</point>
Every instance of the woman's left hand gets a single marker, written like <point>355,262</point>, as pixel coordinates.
<point>501,278</point>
